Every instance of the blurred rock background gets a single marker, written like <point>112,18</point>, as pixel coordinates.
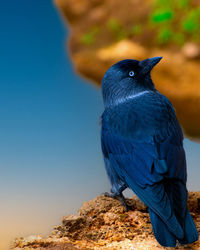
<point>106,31</point>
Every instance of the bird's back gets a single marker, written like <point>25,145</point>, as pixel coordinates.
<point>143,118</point>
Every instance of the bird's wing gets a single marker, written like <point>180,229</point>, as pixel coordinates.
<point>143,141</point>
<point>144,133</point>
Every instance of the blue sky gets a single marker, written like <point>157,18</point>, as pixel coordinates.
<point>50,155</point>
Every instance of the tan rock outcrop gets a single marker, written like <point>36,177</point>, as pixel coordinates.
<point>102,223</point>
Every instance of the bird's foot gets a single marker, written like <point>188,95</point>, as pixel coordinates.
<point>111,195</point>
<point>119,197</point>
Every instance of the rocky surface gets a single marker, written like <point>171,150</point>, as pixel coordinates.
<point>103,32</point>
<point>102,223</point>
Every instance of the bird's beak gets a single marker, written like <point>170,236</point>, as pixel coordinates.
<point>149,63</point>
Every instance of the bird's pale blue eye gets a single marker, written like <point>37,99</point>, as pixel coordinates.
<point>131,73</point>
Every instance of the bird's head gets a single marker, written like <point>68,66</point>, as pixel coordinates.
<point>126,78</point>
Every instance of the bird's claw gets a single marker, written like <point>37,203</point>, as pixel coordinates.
<point>119,197</point>
<point>106,194</point>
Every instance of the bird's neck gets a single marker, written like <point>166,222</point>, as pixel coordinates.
<point>116,96</point>
<point>132,96</point>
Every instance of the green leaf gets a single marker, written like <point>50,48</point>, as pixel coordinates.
<point>162,16</point>
<point>190,25</point>
<point>164,36</point>
<point>87,38</point>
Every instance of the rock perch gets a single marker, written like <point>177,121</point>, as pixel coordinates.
<point>102,223</point>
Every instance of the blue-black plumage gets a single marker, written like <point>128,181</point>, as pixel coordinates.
<point>142,144</point>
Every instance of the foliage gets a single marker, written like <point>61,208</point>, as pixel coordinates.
<point>89,37</point>
<point>116,28</point>
<point>171,22</point>
<point>175,21</point>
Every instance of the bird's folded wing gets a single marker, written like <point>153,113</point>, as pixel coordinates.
<point>145,140</point>
<point>138,172</point>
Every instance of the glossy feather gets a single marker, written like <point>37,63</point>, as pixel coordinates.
<point>142,143</point>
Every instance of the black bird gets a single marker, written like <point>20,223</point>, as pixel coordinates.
<point>142,144</point>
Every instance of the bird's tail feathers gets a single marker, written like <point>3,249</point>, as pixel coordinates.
<point>190,231</point>
<point>166,238</point>
<point>157,200</point>
<point>178,195</point>
<point>161,231</point>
